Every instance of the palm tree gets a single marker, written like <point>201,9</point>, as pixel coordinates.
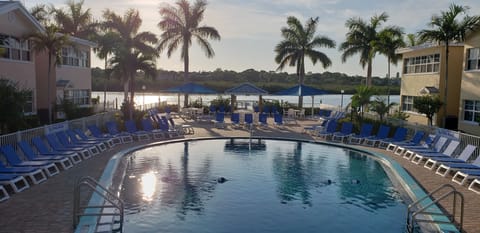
<point>300,42</point>
<point>362,98</point>
<point>75,21</point>
<point>106,44</point>
<point>51,42</point>
<point>180,25</point>
<point>133,47</point>
<point>380,107</point>
<point>361,39</point>
<point>446,28</point>
<point>41,13</point>
<point>389,40</point>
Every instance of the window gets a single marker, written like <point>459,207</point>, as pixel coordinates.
<point>407,103</point>
<point>79,97</point>
<point>28,107</point>
<point>471,110</point>
<point>473,59</point>
<point>14,49</point>
<point>422,64</point>
<point>73,57</point>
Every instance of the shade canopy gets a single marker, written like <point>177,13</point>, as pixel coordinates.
<point>301,90</point>
<point>191,88</point>
<point>246,89</point>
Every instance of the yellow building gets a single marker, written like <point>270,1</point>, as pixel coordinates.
<point>469,113</point>
<point>424,73</point>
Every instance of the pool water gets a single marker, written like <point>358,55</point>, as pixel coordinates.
<point>269,186</point>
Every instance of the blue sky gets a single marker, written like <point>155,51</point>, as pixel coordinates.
<point>250,29</point>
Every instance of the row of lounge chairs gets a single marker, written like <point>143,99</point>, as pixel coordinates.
<point>445,156</point>
<point>439,152</point>
<point>31,162</point>
<point>248,120</point>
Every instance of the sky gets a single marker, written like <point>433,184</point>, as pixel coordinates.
<point>250,29</point>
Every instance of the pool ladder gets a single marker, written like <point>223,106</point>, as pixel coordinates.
<point>111,213</point>
<point>418,211</point>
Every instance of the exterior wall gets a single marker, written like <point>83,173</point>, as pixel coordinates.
<point>470,87</point>
<point>15,24</point>
<point>412,83</point>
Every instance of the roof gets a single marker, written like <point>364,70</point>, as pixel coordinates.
<point>424,46</point>
<point>429,90</point>
<point>8,6</point>
<point>246,89</point>
<point>301,90</point>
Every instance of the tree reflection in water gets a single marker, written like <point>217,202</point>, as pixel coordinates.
<point>294,173</point>
<point>179,185</point>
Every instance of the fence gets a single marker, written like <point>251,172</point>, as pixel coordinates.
<point>27,135</point>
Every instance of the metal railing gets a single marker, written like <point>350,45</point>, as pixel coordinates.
<point>418,208</point>
<point>81,123</point>
<point>110,200</point>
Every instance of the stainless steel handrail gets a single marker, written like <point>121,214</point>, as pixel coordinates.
<point>108,196</point>
<point>423,209</point>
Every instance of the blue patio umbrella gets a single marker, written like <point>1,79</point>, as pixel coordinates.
<point>190,88</point>
<point>302,90</point>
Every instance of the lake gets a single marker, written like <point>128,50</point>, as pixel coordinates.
<point>149,98</point>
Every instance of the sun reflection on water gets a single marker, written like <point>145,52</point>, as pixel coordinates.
<point>148,183</point>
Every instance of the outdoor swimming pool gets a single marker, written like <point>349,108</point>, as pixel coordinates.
<point>273,186</point>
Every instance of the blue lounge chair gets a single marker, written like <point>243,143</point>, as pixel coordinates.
<point>399,136</point>
<point>77,139</point>
<point>64,162</point>
<point>427,144</point>
<point>447,153</point>
<point>437,148</point>
<point>175,130</point>
<point>416,139</point>
<point>345,132</point>
<point>141,135</point>
<point>107,141</point>
<point>219,121</point>
<point>65,141</point>
<point>443,170</point>
<point>382,133</point>
<point>17,182</point>
<point>235,119</point>
<point>14,160</point>
<point>97,133</point>
<point>464,172</point>
<point>365,132</point>
<point>57,146</point>
<point>43,150</point>
<point>36,175</point>
<point>147,125</point>
<point>329,130</point>
<point>249,120</point>
<point>262,120</point>
<point>113,130</point>
<point>278,120</point>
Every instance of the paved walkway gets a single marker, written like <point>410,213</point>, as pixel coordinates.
<point>47,207</point>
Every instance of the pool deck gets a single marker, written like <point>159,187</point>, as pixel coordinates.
<point>47,207</point>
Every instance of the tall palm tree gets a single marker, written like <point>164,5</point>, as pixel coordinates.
<point>41,13</point>
<point>75,21</point>
<point>180,25</point>
<point>389,40</point>
<point>299,42</point>
<point>133,46</point>
<point>106,44</point>
<point>360,39</point>
<point>447,28</point>
<point>51,42</point>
